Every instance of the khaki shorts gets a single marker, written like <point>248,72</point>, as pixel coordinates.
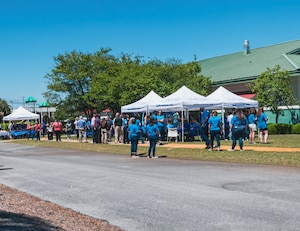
<point>252,127</point>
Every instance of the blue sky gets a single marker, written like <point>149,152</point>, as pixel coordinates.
<point>33,32</point>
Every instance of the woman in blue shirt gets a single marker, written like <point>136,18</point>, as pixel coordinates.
<point>262,125</point>
<point>133,132</point>
<point>252,125</point>
<point>215,128</point>
<point>153,134</point>
<point>238,126</point>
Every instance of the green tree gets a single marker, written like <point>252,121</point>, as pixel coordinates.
<point>4,109</point>
<point>87,82</point>
<point>69,82</point>
<point>273,89</point>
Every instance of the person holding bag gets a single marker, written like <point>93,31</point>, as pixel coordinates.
<point>238,126</point>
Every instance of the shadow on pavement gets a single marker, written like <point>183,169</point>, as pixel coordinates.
<point>15,222</point>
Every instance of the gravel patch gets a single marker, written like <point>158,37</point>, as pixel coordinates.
<point>21,211</point>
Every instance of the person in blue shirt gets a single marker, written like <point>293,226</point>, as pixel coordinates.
<point>252,125</point>
<point>153,134</point>
<point>215,129</point>
<point>82,129</point>
<point>195,129</point>
<point>238,126</point>
<point>262,126</point>
<point>133,134</point>
<point>160,118</point>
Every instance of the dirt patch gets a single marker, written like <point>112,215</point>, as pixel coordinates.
<point>226,147</point>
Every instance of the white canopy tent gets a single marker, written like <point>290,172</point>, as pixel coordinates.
<point>142,104</point>
<point>184,99</point>
<point>226,99</point>
<point>21,114</point>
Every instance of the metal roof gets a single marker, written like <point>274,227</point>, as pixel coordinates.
<point>239,67</point>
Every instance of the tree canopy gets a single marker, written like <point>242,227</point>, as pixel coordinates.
<point>272,90</point>
<point>4,108</point>
<point>84,82</point>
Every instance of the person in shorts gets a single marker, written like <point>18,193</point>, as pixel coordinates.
<point>262,126</point>
<point>252,125</point>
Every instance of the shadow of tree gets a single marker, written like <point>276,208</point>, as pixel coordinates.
<point>5,169</point>
<point>14,222</point>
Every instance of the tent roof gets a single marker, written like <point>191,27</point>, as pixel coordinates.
<point>30,99</point>
<point>21,114</point>
<point>183,98</point>
<point>142,104</point>
<point>227,99</point>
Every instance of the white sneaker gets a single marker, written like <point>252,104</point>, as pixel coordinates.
<point>230,150</point>
<point>154,157</point>
<point>209,149</point>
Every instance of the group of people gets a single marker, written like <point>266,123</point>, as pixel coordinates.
<point>241,126</point>
<point>238,125</point>
<point>101,129</point>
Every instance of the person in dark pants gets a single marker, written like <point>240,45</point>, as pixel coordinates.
<point>238,126</point>
<point>215,129</point>
<point>204,116</point>
<point>153,135</point>
<point>133,134</point>
<point>125,121</point>
<point>57,127</point>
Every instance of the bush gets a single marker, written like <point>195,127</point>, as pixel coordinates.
<point>296,129</point>
<point>4,126</point>
<point>284,128</point>
<point>280,129</point>
<point>272,129</point>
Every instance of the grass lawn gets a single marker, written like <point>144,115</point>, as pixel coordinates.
<point>282,158</point>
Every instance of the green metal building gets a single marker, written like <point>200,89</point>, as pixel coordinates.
<point>234,71</point>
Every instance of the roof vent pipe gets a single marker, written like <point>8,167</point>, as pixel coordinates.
<point>246,47</point>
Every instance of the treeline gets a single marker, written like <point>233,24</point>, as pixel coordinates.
<point>85,82</point>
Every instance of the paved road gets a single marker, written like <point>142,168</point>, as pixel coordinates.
<point>157,194</point>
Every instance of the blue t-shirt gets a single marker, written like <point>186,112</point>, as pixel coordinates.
<point>81,124</point>
<point>152,130</point>
<point>262,121</point>
<point>215,123</point>
<point>235,121</point>
<point>133,130</point>
<point>251,119</point>
<point>170,126</point>
<point>160,117</point>
<point>205,114</point>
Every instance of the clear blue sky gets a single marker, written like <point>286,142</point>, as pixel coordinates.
<point>34,31</point>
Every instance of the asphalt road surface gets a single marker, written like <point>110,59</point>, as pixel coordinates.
<point>157,194</point>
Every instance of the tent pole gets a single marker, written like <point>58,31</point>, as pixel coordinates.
<point>223,121</point>
<point>182,126</point>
